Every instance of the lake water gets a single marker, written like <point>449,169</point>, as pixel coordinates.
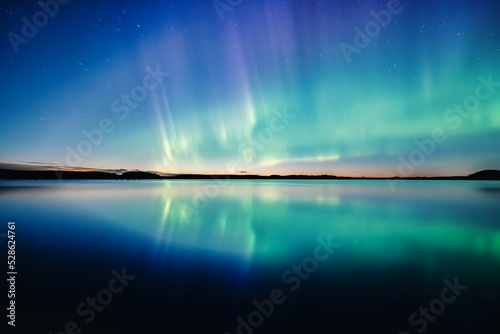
<point>255,256</point>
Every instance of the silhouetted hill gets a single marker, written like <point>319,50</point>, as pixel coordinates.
<point>140,176</point>
<point>63,175</point>
<point>488,174</point>
<point>53,175</point>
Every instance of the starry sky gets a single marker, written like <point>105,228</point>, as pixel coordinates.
<point>352,88</point>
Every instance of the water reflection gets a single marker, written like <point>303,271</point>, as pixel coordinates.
<point>225,245</point>
<point>273,218</point>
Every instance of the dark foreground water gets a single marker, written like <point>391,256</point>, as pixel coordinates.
<point>253,256</point>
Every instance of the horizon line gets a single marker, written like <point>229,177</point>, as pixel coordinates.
<point>486,174</point>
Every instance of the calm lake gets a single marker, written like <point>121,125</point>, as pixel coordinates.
<point>254,256</point>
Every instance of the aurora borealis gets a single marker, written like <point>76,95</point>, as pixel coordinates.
<point>173,88</point>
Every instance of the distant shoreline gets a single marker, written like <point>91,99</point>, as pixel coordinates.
<point>8,174</point>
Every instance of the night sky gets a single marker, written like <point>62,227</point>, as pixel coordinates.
<point>317,87</point>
